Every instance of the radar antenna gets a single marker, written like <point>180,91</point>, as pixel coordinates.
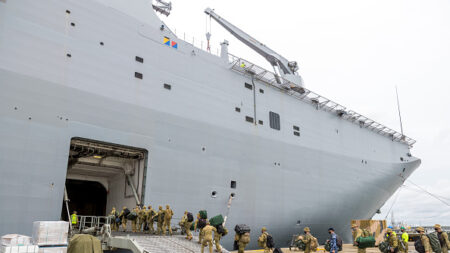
<point>287,69</point>
<point>163,7</point>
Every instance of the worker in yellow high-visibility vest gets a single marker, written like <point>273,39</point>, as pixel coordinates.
<point>74,219</point>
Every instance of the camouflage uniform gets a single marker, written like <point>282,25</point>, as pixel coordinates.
<point>358,233</point>
<point>187,227</point>
<point>159,224</point>
<point>200,235</point>
<point>168,213</point>
<point>142,216</point>
<point>150,216</point>
<point>217,238</point>
<point>262,240</point>
<point>306,239</point>
<point>114,225</point>
<point>207,232</point>
<point>134,222</point>
<point>124,219</point>
<point>392,240</point>
<point>426,243</point>
<point>443,238</point>
<point>242,241</point>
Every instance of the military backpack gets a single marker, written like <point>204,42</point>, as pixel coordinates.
<point>434,242</point>
<point>190,217</point>
<point>419,246</point>
<point>269,243</point>
<point>314,243</point>
<point>201,223</point>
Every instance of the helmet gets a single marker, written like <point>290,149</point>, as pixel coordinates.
<point>167,206</point>
<point>391,227</point>
<point>354,225</point>
<point>437,226</point>
<point>306,229</point>
<point>389,230</point>
<point>420,229</point>
<point>403,228</point>
<point>263,229</point>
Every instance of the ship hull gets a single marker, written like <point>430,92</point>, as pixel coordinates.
<point>197,143</point>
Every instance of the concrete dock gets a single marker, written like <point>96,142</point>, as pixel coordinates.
<point>348,248</point>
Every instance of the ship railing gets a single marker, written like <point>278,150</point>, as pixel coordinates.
<point>319,102</point>
<point>93,221</point>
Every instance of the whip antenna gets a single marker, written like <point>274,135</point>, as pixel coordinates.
<point>399,113</point>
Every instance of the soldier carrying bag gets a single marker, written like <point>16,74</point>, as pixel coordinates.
<point>190,217</point>
<point>419,246</point>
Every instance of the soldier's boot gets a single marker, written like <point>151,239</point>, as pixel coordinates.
<point>218,248</point>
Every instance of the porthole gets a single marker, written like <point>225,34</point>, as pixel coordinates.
<point>213,194</point>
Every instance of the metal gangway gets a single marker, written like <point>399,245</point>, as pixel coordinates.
<point>87,222</point>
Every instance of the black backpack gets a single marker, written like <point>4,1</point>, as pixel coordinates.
<point>201,223</point>
<point>270,244</point>
<point>419,246</point>
<point>339,242</point>
<point>277,250</point>
<point>126,212</point>
<point>190,217</point>
<point>220,230</point>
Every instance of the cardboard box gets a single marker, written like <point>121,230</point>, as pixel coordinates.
<point>46,233</point>
<point>20,249</point>
<point>56,249</point>
<point>16,240</point>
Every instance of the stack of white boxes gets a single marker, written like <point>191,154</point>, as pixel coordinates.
<point>14,243</point>
<point>51,236</point>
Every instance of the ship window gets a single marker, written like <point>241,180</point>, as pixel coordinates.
<point>67,11</point>
<point>261,91</point>
<point>138,75</point>
<point>233,184</point>
<point>260,122</point>
<point>274,120</point>
<point>237,109</point>
<point>249,119</point>
<point>296,133</point>
<point>296,128</point>
<point>139,59</point>
<point>69,55</point>
<point>101,43</point>
<point>72,24</point>
<point>248,86</point>
<point>167,86</point>
<point>213,194</point>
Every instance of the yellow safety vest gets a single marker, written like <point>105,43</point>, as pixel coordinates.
<point>405,237</point>
<point>74,219</point>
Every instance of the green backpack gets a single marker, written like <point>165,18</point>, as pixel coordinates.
<point>383,247</point>
<point>434,242</point>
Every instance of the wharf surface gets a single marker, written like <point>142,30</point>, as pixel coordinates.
<point>347,248</point>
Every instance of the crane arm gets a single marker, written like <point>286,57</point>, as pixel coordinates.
<point>275,59</point>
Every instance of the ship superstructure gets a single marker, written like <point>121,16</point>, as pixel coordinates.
<point>111,107</point>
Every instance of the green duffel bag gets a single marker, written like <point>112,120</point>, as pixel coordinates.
<point>203,214</point>
<point>383,247</point>
<point>132,215</point>
<point>434,242</point>
<point>300,245</point>
<point>327,246</point>
<point>365,242</point>
<point>216,220</point>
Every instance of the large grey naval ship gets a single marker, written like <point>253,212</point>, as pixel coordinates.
<point>110,108</point>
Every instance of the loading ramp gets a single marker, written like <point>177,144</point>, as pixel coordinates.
<point>144,243</point>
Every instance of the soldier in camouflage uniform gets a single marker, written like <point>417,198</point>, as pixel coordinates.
<point>160,222</point>
<point>207,236</point>
<point>134,222</point>
<point>306,239</point>
<point>124,219</point>
<point>142,216</point>
<point>443,238</point>
<point>391,240</point>
<point>262,240</point>
<point>168,213</point>
<point>217,237</point>
<point>114,224</point>
<point>357,232</point>
<point>150,217</point>
<point>200,235</point>
<point>187,228</point>
<point>425,241</point>
<point>242,241</point>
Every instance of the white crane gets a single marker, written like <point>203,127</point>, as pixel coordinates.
<point>287,69</point>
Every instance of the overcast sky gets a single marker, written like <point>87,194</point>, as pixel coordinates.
<point>355,52</point>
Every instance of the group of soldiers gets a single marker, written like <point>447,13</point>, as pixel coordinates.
<point>143,220</point>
